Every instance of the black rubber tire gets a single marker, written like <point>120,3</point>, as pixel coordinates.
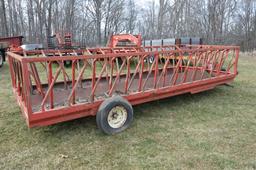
<point>223,69</point>
<point>105,108</point>
<point>1,59</point>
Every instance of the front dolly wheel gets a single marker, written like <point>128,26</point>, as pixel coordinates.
<point>114,115</point>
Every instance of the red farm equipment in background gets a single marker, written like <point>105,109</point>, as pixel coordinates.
<point>124,40</point>
<point>61,41</point>
<point>9,43</point>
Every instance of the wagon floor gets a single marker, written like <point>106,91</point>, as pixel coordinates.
<point>84,89</point>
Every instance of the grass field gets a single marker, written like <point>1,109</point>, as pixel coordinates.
<point>210,130</point>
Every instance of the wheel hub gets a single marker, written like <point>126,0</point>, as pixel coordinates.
<point>117,117</point>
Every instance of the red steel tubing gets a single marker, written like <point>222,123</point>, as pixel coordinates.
<point>202,59</point>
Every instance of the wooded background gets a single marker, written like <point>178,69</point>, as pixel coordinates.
<point>92,21</point>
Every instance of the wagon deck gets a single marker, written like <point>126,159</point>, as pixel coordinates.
<point>61,92</point>
<point>48,92</point>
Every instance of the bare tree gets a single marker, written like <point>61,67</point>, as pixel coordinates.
<point>246,20</point>
<point>92,21</point>
<point>3,19</point>
<point>96,10</point>
<point>161,13</point>
<point>131,17</point>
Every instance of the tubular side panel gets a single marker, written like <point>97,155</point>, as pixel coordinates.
<point>49,92</point>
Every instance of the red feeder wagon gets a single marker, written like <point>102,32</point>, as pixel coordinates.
<point>49,93</point>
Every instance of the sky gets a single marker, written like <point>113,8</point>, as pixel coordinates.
<point>143,3</point>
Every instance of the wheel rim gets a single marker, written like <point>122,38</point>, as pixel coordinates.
<point>117,117</point>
